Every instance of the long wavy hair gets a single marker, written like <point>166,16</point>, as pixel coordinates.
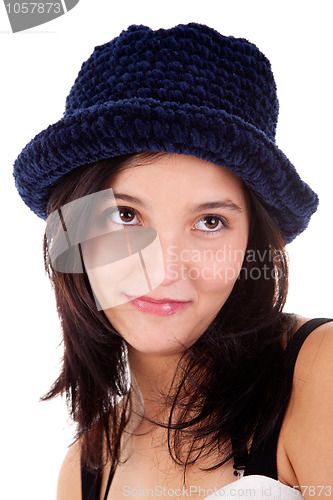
<point>229,379</point>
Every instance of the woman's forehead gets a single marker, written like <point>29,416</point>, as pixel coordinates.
<point>175,174</point>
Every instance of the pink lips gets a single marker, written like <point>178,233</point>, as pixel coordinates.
<point>163,307</point>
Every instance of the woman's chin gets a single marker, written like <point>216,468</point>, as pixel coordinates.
<point>159,349</point>
<point>157,340</point>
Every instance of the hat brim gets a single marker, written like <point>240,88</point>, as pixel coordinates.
<point>135,125</point>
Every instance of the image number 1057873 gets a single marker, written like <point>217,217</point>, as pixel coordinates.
<point>25,15</point>
<point>34,7</point>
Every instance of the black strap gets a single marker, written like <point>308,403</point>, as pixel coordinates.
<point>90,484</point>
<point>113,468</point>
<point>240,459</point>
<point>263,461</point>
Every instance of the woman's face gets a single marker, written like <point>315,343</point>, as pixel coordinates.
<point>200,214</point>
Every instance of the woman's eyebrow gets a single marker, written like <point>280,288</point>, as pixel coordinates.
<point>226,204</point>
<point>127,197</point>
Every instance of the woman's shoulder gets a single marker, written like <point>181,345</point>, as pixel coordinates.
<point>310,347</point>
<point>69,480</point>
<point>308,429</point>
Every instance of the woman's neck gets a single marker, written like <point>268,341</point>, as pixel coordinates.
<point>152,375</point>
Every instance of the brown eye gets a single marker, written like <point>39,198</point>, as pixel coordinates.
<point>126,214</point>
<point>210,224</point>
<point>121,216</point>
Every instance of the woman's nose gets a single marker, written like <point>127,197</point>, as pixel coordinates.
<point>159,254</point>
<point>174,268</point>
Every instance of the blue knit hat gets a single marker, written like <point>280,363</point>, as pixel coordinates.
<point>186,90</point>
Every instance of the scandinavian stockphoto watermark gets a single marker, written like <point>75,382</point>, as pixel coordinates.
<point>125,260</point>
<point>221,264</point>
<point>195,491</point>
<point>23,15</point>
<point>276,491</point>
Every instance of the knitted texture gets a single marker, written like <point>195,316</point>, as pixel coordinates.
<point>187,90</point>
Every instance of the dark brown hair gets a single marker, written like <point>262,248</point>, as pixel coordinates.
<point>230,378</point>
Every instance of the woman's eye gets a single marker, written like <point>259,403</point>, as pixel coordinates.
<point>121,215</point>
<point>210,223</point>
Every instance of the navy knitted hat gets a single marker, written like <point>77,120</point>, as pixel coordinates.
<point>186,90</point>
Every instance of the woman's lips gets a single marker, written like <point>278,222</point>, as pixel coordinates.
<point>161,307</point>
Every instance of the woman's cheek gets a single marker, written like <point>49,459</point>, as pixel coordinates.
<point>124,263</point>
<point>218,275</point>
<point>218,266</point>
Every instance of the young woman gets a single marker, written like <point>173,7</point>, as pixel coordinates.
<point>168,208</point>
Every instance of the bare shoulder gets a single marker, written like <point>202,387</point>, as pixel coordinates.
<point>69,481</point>
<point>308,429</point>
<point>310,350</point>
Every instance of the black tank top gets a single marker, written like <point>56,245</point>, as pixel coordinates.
<point>263,461</point>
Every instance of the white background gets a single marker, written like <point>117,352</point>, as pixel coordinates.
<point>38,68</point>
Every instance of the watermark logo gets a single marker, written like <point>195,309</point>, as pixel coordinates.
<point>24,15</point>
<point>81,237</point>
